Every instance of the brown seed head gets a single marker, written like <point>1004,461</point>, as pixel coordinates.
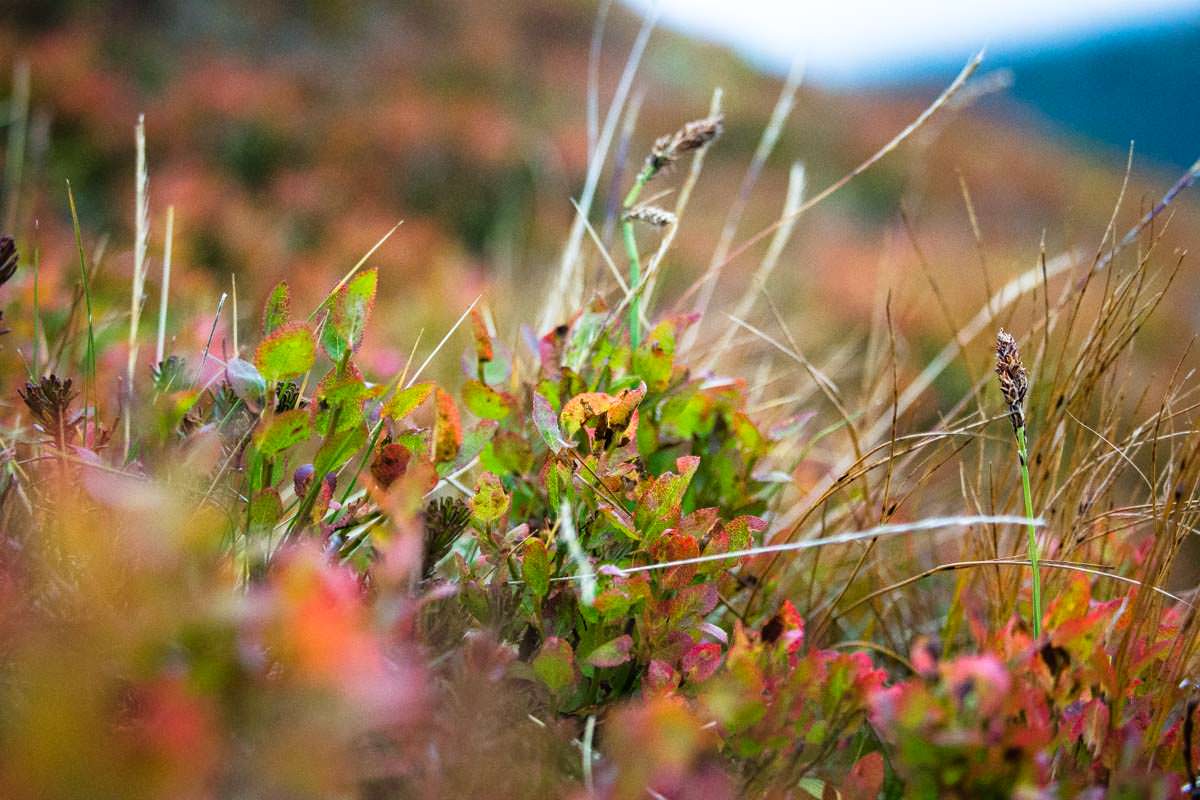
<point>692,136</point>
<point>1014,383</point>
<point>651,215</point>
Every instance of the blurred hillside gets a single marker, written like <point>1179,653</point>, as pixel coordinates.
<point>289,143</point>
<point>1140,83</point>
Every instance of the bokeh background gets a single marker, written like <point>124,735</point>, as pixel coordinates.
<point>290,136</point>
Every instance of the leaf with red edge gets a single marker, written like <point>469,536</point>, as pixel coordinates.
<point>699,522</point>
<point>483,340</point>
<point>660,502</point>
<point>739,533</point>
<point>447,428</point>
<point>347,322</point>
<point>693,602</point>
<point>613,653</point>
<point>555,665</point>
<point>546,421</point>
<point>278,309</point>
<point>550,349</point>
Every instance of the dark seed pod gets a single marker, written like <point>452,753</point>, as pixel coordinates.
<point>1014,383</point>
<point>8,258</point>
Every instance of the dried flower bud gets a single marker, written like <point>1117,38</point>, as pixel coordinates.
<point>8,258</point>
<point>1013,381</point>
<point>445,520</point>
<point>49,400</point>
<point>692,136</point>
<point>651,215</point>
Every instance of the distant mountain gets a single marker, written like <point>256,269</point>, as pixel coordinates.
<point>1142,85</point>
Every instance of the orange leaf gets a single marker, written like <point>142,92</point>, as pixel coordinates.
<point>447,429</point>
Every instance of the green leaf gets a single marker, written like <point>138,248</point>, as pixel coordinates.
<point>337,449</point>
<point>612,653</point>
<point>473,443</point>
<point>348,319</point>
<point>655,358</point>
<point>266,509</point>
<point>485,402</point>
<point>490,500</point>
<point>341,395</point>
<point>507,454</point>
<point>289,352</point>
<point>278,432</point>
<point>583,335</point>
<point>535,566</point>
<point>546,422</point>
<point>555,665</point>
<point>278,309</point>
<point>405,401</point>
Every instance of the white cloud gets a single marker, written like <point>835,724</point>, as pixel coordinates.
<point>846,39</point>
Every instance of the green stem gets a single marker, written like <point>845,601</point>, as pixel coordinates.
<point>89,373</point>
<point>1034,555</point>
<point>635,275</point>
<point>631,251</point>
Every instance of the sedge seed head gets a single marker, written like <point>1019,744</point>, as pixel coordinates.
<point>1014,382</point>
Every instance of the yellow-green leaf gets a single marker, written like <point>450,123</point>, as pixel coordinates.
<point>405,401</point>
<point>485,402</point>
<point>490,500</point>
<point>287,353</point>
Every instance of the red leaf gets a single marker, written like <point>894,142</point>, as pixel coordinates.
<point>389,463</point>
<point>701,662</point>
<point>865,780</point>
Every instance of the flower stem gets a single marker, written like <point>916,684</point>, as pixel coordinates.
<point>1034,555</point>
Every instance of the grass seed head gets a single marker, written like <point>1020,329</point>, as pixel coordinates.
<point>1014,382</point>
<point>692,136</point>
<point>651,215</point>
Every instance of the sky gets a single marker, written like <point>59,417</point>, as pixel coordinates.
<point>851,42</point>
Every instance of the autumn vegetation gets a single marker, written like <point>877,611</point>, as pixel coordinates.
<point>630,537</point>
